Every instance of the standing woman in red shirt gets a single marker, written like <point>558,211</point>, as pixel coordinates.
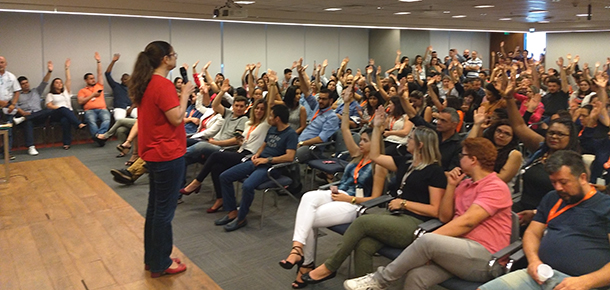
<point>162,144</point>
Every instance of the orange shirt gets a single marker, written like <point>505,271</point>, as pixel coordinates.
<point>98,103</point>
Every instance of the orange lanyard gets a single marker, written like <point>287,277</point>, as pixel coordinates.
<point>392,123</point>
<point>248,108</point>
<point>250,131</point>
<point>358,167</point>
<point>371,119</point>
<point>554,213</point>
<point>192,112</point>
<point>316,114</point>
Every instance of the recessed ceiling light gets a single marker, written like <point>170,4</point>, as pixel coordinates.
<point>607,7</point>
<point>402,13</point>
<point>333,9</point>
<point>505,19</point>
<point>538,11</point>
<point>446,11</point>
<point>582,15</point>
<point>458,16</point>
<point>244,2</point>
<point>410,0</point>
<point>484,6</point>
<point>543,21</point>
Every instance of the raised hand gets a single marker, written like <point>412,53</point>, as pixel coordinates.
<point>597,64</point>
<point>378,70</point>
<point>358,73</point>
<point>585,66</point>
<point>294,64</point>
<point>601,80</point>
<point>258,64</point>
<point>68,63</point>
<point>50,66</point>
<point>479,116</point>
<point>97,56</point>
<point>369,70</point>
<point>576,59</point>
<point>116,57</point>
<point>207,65</point>
<point>195,64</point>
<point>398,52</point>
<point>569,56</point>
<point>502,44</point>
<point>225,86</point>
<point>379,120</point>
<point>185,65</point>
<point>272,76</point>
<point>325,63</point>
<point>560,62</point>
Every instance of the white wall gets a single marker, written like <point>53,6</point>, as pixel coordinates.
<point>29,40</point>
<point>442,41</point>
<point>590,46</point>
<point>383,45</point>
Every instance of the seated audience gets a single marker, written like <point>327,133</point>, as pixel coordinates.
<point>478,223</point>
<point>279,147</point>
<point>569,233</point>
<point>91,97</point>
<point>420,185</point>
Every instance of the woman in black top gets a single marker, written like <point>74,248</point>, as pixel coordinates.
<point>420,186</point>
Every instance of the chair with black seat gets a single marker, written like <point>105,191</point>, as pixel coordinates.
<point>274,185</point>
<point>332,166</point>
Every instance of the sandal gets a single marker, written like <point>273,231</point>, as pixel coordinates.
<point>66,147</point>
<point>123,149</point>
<point>297,251</point>
<point>298,285</point>
<point>129,163</point>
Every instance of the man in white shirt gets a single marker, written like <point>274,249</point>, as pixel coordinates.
<point>9,94</point>
<point>473,65</point>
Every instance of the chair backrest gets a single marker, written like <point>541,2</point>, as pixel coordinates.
<point>514,233</point>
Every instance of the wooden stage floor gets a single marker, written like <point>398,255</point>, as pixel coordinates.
<point>61,227</point>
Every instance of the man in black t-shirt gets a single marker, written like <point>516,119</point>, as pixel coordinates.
<point>557,94</point>
<point>576,219</point>
<point>279,147</point>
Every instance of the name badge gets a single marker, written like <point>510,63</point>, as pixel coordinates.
<point>359,192</point>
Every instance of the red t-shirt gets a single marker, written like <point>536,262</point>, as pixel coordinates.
<point>158,140</point>
<point>493,195</point>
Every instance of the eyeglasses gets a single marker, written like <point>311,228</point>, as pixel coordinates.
<point>173,54</point>
<point>460,155</point>
<point>500,132</point>
<point>557,134</point>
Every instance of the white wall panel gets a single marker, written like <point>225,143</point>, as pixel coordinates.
<point>383,46</point>
<point>322,43</point>
<point>77,38</point>
<point>354,42</point>
<point>197,40</point>
<point>129,36</point>
<point>414,42</point>
<point>285,44</point>
<point>242,44</point>
<point>590,46</point>
<point>20,44</point>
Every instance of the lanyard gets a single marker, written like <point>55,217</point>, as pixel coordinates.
<point>372,117</point>
<point>192,112</point>
<point>250,131</point>
<point>554,213</point>
<point>392,123</point>
<point>316,114</point>
<point>358,167</point>
<point>204,123</point>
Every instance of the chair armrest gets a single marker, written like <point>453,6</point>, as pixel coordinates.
<point>278,166</point>
<point>343,154</point>
<point>327,186</point>
<point>373,203</point>
<point>313,147</point>
<point>229,148</point>
<point>427,227</point>
<point>505,252</point>
<point>281,165</point>
<point>517,256</point>
<point>246,158</point>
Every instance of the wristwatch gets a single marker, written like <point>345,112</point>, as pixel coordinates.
<point>269,159</point>
<point>301,143</point>
<point>403,204</point>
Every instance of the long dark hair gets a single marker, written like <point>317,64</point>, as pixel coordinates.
<point>504,151</point>
<point>380,102</point>
<point>289,96</point>
<point>398,110</point>
<point>147,61</point>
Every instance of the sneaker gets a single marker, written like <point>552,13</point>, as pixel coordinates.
<point>363,283</point>
<point>32,151</point>
<point>122,176</point>
<point>11,157</point>
<point>18,120</point>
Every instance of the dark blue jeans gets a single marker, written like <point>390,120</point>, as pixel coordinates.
<point>67,119</point>
<point>165,180</point>
<point>35,118</point>
<point>255,177</point>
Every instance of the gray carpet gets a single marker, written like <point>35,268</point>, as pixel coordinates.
<point>244,259</point>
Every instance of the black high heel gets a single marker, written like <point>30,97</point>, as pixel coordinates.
<point>287,265</point>
<point>308,280</point>
<point>298,284</point>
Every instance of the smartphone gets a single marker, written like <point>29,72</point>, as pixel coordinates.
<point>99,91</point>
<point>185,77</point>
<point>334,189</point>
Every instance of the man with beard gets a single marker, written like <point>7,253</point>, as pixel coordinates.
<point>576,219</point>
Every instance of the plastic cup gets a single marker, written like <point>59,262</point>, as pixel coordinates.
<point>545,272</point>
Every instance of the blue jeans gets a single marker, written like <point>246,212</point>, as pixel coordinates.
<point>255,177</point>
<point>67,119</point>
<point>165,180</point>
<point>521,280</point>
<point>195,152</point>
<point>91,118</point>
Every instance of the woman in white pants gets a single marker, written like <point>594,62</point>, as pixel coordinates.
<point>324,208</point>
